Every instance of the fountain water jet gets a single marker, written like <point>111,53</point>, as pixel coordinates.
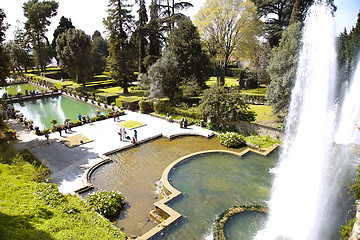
<point>300,193</point>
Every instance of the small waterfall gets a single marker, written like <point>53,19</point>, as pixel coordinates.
<point>300,188</point>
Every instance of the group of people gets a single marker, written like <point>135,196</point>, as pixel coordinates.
<point>66,127</point>
<point>84,119</point>
<point>183,123</point>
<point>123,135</point>
<point>116,115</point>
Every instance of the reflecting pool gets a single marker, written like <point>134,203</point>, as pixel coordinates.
<point>135,173</point>
<point>20,88</point>
<point>43,110</point>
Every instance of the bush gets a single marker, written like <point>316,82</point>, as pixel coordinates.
<point>118,102</point>
<point>107,204</point>
<point>231,139</point>
<point>145,106</point>
<point>162,106</point>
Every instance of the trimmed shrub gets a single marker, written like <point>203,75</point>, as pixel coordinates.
<point>231,139</point>
<point>162,106</point>
<point>118,102</point>
<point>146,106</point>
<point>107,204</point>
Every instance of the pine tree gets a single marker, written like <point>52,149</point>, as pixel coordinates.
<point>119,24</point>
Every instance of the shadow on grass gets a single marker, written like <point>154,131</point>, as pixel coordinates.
<point>20,227</point>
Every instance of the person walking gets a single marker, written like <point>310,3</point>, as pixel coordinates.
<point>80,117</point>
<point>47,138</point>
<point>120,133</point>
<point>135,135</point>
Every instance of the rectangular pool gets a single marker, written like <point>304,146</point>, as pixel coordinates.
<point>42,111</point>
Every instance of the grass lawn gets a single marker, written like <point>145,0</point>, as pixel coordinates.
<point>131,124</point>
<point>264,115</point>
<point>260,91</point>
<point>24,215</point>
<point>229,81</point>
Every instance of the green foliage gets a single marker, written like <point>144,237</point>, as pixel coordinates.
<point>146,106</point>
<point>231,139</point>
<point>49,193</point>
<point>162,106</point>
<point>355,188</point>
<point>221,105</point>
<point>185,43</point>
<point>282,69</point>
<point>122,58</point>
<point>64,24</point>
<point>118,102</point>
<point>107,204</point>
<point>263,141</point>
<point>163,77</point>
<point>346,230</point>
<point>73,48</point>
<point>4,55</point>
<point>38,14</point>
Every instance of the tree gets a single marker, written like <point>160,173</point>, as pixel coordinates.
<point>99,53</point>
<point>100,43</point>
<point>4,55</point>
<point>171,12</point>
<point>278,14</point>
<point>64,24</point>
<point>23,56</point>
<point>282,68</point>
<point>73,48</point>
<point>142,32</point>
<point>184,42</point>
<point>223,106</point>
<point>349,49</point>
<point>38,15</point>
<point>228,28</point>
<point>119,23</point>
<point>155,43</point>
<point>162,77</point>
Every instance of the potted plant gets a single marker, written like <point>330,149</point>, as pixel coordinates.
<point>30,122</point>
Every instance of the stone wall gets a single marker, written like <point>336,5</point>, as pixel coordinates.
<point>355,235</point>
<point>245,127</point>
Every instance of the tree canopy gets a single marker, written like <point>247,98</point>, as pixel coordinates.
<point>223,106</point>
<point>119,24</point>
<point>73,48</point>
<point>184,42</point>
<point>228,28</point>
<point>4,56</point>
<point>282,68</point>
<point>38,14</point>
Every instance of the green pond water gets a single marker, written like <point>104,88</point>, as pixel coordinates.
<point>210,185</point>
<point>20,88</point>
<point>214,182</point>
<point>42,111</point>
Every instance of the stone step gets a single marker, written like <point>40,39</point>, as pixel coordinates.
<point>154,215</point>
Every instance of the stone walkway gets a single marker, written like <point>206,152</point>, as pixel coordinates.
<point>68,165</point>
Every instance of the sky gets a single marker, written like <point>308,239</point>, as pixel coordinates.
<point>88,14</point>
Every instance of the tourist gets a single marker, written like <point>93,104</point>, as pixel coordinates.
<point>124,133</point>
<point>79,116</point>
<point>181,122</point>
<point>65,126</point>
<point>87,119</point>
<point>47,138</point>
<point>114,115</point>
<point>120,133</point>
<point>167,117</point>
<point>133,140</point>
<point>135,135</point>
<point>118,114</point>
<point>59,129</point>
<point>185,123</point>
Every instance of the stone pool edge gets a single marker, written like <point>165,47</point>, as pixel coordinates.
<point>171,215</point>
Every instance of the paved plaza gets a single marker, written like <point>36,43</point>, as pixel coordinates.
<point>68,165</point>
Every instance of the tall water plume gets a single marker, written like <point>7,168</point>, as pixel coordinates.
<point>300,183</point>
